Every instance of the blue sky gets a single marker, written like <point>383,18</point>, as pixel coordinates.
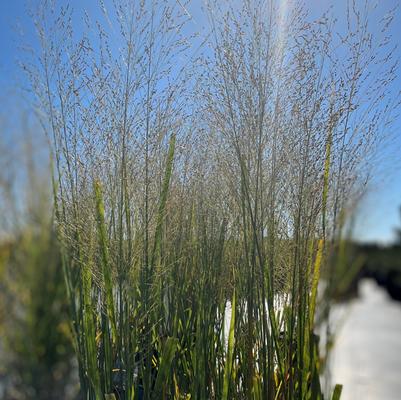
<point>378,212</point>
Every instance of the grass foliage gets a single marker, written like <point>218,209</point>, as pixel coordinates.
<point>196,207</point>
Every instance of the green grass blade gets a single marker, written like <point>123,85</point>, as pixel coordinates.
<point>163,199</point>
<point>166,360</point>
<point>337,392</point>
<point>315,282</point>
<point>90,332</point>
<point>106,268</point>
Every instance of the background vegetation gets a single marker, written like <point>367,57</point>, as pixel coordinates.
<point>37,358</point>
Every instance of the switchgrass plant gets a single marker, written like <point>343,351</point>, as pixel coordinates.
<point>197,211</point>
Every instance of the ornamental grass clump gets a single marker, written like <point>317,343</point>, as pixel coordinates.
<point>197,208</point>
